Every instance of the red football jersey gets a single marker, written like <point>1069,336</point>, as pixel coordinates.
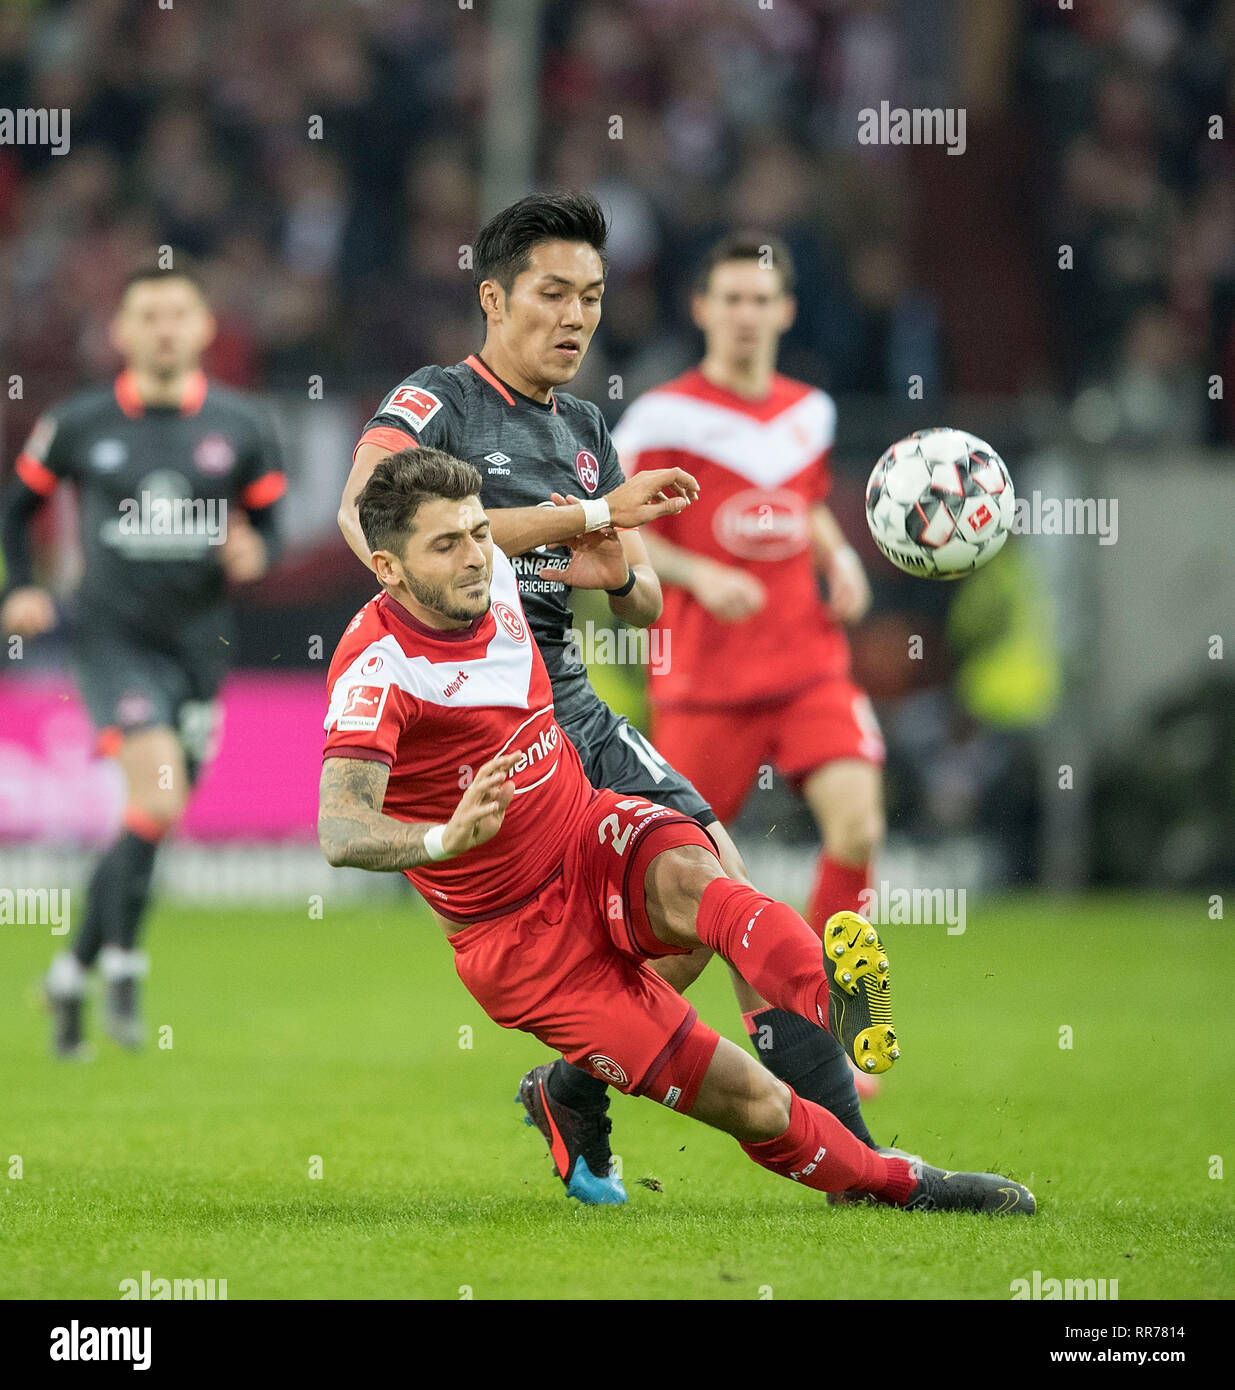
<point>433,706</point>
<point>761,465</point>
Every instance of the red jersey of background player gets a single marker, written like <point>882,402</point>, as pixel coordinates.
<point>433,706</point>
<point>761,466</point>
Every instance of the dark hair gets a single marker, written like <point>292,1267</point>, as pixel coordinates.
<point>401,484</point>
<point>504,244</point>
<point>183,269</point>
<point>748,246</point>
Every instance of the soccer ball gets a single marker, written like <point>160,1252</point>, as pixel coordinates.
<point>940,503</point>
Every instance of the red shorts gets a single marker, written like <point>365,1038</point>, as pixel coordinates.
<point>722,750</point>
<point>570,966</point>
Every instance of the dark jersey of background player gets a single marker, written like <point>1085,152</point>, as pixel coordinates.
<point>142,472</point>
<point>524,450</point>
<point>177,482</point>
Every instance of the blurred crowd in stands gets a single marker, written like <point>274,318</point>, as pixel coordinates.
<point>320,160</point>
<point>340,255</point>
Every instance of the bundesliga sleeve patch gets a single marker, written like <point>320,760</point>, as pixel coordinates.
<point>413,404</point>
<point>362,708</point>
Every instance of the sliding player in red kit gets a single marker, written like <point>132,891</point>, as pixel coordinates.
<point>760,663</point>
<point>554,895</point>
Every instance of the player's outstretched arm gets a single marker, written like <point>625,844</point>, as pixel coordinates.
<point>354,833</point>
<point>27,610</point>
<point>368,456</point>
<point>516,530</point>
<point>646,497</point>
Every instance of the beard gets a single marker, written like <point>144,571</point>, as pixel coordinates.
<point>444,600</point>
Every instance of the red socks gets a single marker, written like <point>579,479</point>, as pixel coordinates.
<point>818,1151</point>
<point>771,947</point>
<point>838,888</point>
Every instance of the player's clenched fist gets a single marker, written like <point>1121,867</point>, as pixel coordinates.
<point>28,611</point>
<point>478,816</point>
<point>243,553</point>
<point>848,590</point>
<point>655,493</point>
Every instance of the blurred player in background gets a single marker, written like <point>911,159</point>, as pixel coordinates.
<point>177,482</point>
<point>759,676</point>
<point>539,271</point>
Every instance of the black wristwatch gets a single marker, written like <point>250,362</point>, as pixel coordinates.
<point>631,580</point>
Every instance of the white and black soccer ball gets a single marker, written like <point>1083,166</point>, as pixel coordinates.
<point>940,503</point>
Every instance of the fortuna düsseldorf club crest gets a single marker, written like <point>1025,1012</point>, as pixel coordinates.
<point>588,469</point>
<point>511,621</point>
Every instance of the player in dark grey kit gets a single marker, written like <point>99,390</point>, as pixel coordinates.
<point>559,507</point>
<point>177,481</point>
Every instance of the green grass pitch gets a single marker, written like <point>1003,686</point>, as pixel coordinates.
<point>345,1040</point>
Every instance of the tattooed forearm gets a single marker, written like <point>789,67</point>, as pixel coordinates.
<point>351,828</point>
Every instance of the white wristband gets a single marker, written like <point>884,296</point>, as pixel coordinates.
<point>595,513</point>
<point>433,843</point>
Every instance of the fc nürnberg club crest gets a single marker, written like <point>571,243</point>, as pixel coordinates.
<point>588,468</point>
<point>214,454</point>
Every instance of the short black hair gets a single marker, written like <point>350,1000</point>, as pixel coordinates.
<point>181,269</point>
<point>504,244</point>
<point>400,485</point>
<point>768,250</point>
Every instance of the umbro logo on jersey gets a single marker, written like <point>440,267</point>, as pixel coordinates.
<point>498,459</point>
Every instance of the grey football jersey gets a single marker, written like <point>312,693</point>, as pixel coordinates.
<point>524,450</point>
<point>154,485</point>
